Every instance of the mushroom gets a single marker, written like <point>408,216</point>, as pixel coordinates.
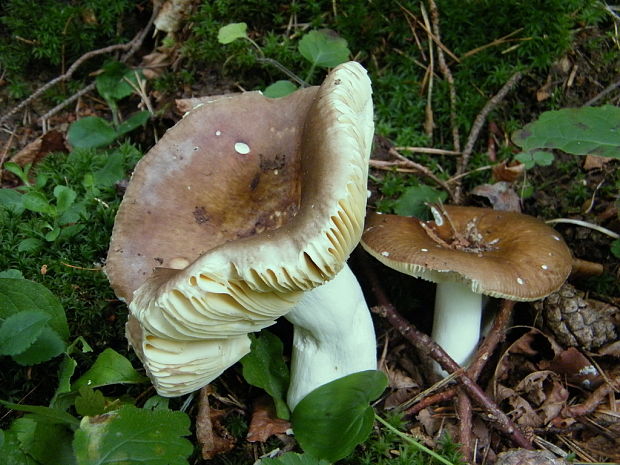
<point>470,252</point>
<point>245,211</point>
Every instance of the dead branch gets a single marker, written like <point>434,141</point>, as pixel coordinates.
<point>447,74</point>
<point>598,396</point>
<point>477,126</point>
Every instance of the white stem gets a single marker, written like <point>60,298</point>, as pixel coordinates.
<point>334,335</point>
<point>456,324</point>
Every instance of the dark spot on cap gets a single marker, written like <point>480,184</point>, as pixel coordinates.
<point>200,215</point>
<point>255,181</point>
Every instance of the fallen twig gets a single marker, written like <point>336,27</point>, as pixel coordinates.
<point>429,150</point>
<point>447,74</point>
<point>463,413</point>
<point>598,396</point>
<point>477,126</point>
<point>496,335</point>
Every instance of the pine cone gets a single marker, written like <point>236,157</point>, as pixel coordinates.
<point>576,321</point>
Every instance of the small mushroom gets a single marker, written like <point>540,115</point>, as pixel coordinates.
<point>470,252</point>
<point>245,211</point>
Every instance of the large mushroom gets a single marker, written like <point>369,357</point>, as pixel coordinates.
<point>470,252</point>
<point>245,211</point>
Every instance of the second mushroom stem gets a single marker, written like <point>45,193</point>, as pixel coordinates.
<point>334,335</point>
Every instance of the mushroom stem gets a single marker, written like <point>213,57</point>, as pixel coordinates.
<point>456,323</point>
<point>334,335</point>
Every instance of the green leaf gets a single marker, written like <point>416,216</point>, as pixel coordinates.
<point>580,131</point>
<point>37,202</point>
<point>535,157</point>
<point>65,196</point>
<point>11,273</point>
<point>133,436</point>
<point>29,245</point>
<point>48,443</point>
<point>52,235</point>
<point>17,295</point>
<point>232,32</point>
<point>112,172</point>
<point>156,403</point>
<point>413,201</point>
<point>334,418</point>
<point>11,452</point>
<point>112,83</point>
<point>324,48</point>
<point>51,415</point>
<point>90,402</point>
<point>280,89</point>
<point>293,458</point>
<point>133,122</point>
<point>615,248</point>
<point>264,367</point>
<point>12,200</point>
<point>109,368</point>
<point>47,346</point>
<point>20,330</point>
<point>91,132</point>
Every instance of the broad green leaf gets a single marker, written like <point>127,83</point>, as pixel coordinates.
<point>413,201</point>
<point>109,368</point>
<point>334,418</point>
<point>11,453</point>
<point>47,346</point>
<point>91,132</point>
<point>156,403</point>
<point>65,196</point>
<point>280,89</point>
<point>264,367</point>
<point>112,83</point>
<point>133,122</point>
<point>29,245</point>
<point>293,458</point>
<point>37,202</point>
<point>580,131</point>
<point>51,415</point>
<point>20,330</point>
<point>89,402</point>
<point>11,273</point>
<point>112,172</point>
<point>134,436</point>
<point>17,295</point>
<point>232,32</point>
<point>48,443</point>
<point>324,48</point>
<point>12,200</point>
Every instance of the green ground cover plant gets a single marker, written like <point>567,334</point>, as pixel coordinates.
<point>55,226</point>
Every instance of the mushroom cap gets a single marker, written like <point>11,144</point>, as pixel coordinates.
<point>241,207</point>
<point>516,256</point>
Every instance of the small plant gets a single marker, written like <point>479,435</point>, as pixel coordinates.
<point>322,48</point>
<point>33,330</point>
<point>114,84</point>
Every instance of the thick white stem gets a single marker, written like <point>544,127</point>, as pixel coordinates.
<point>334,335</point>
<point>456,324</point>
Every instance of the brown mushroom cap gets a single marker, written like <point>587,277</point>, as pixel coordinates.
<point>514,256</point>
<point>241,207</point>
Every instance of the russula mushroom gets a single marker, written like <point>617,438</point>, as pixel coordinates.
<point>469,252</point>
<point>245,211</point>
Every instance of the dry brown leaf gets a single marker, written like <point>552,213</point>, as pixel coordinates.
<point>577,368</point>
<point>172,14</point>
<point>211,435</point>
<point>500,195</point>
<point>545,391</point>
<point>264,423</point>
<point>508,172</point>
<point>51,141</point>
<point>521,411</point>
<point>154,64</point>
<point>595,162</point>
